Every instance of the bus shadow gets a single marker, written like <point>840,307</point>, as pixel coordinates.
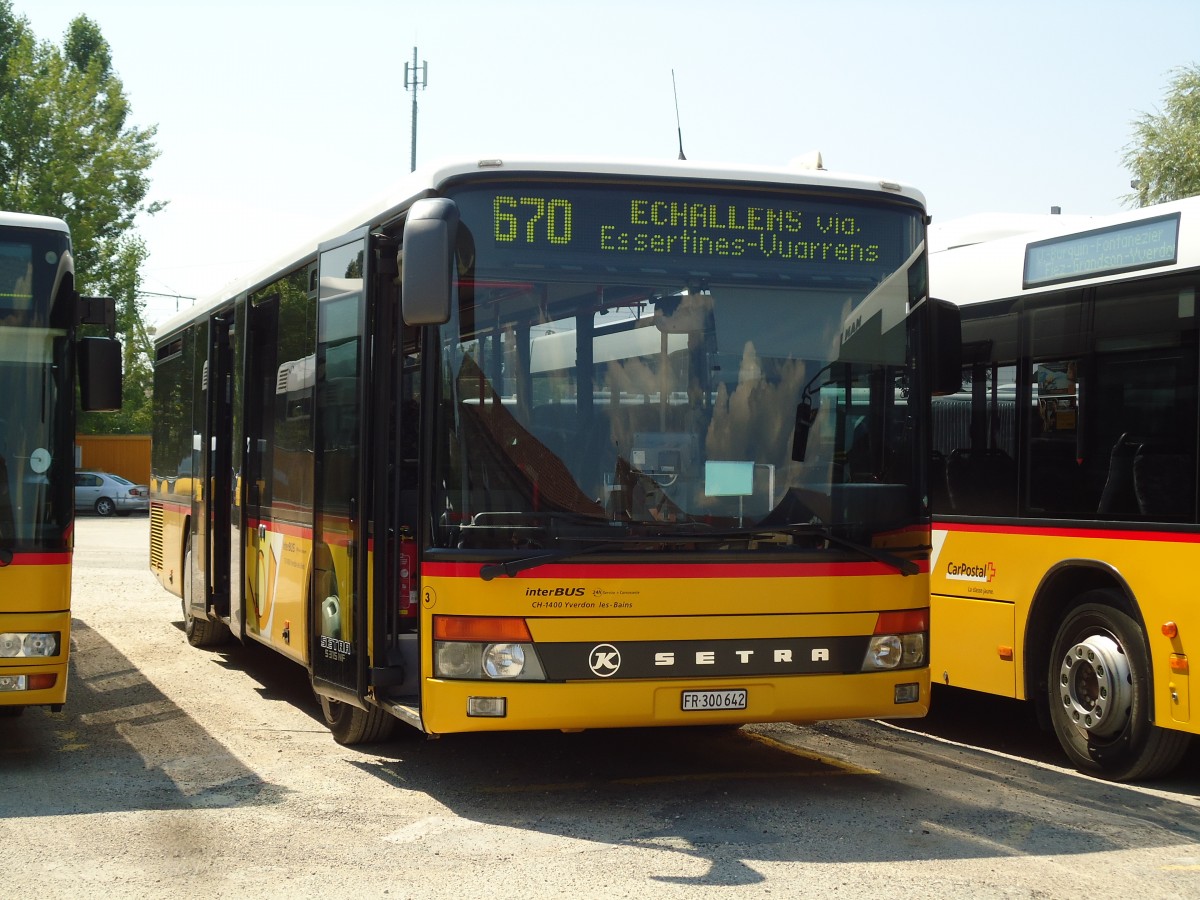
<point>1011,728</point>
<point>118,745</point>
<point>734,801</point>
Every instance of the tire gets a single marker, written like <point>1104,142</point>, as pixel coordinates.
<point>1099,688</point>
<point>200,632</point>
<point>105,507</point>
<point>351,725</point>
<point>11,712</point>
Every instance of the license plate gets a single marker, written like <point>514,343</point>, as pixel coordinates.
<point>700,701</point>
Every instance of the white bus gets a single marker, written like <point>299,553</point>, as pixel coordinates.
<point>1066,538</point>
<point>519,448</point>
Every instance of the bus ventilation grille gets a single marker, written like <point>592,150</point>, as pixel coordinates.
<point>156,536</point>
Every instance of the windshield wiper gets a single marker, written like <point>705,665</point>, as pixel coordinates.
<point>511,567</point>
<point>902,565</point>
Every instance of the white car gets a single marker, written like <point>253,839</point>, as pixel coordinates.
<point>110,494</point>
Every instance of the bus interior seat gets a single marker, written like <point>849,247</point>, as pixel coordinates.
<point>1118,496</point>
<point>1165,483</point>
<point>1055,477</point>
<point>980,482</point>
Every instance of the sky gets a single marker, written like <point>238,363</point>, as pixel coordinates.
<point>278,119</point>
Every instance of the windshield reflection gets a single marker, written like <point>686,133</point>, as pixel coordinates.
<point>34,502</point>
<point>644,409</point>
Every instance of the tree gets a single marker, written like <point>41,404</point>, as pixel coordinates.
<point>67,150</point>
<point>1164,157</point>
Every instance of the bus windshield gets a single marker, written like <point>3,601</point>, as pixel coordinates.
<point>634,360</point>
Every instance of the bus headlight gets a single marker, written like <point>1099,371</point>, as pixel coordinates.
<point>500,662</point>
<point>503,660</point>
<point>41,644</point>
<point>34,643</point>
<point>898,641</point>
<point>456,659</point>
<point>486,648</point>
<point>894,651</point>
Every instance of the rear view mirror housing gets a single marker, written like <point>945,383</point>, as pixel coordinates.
<point>99,363</point>
<point>426,261</point>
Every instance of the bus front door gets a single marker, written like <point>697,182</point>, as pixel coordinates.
<point>338,652</point>
<point>256,469</point>
<point>218,464</point>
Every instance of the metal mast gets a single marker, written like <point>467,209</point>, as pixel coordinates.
<point>415,77</point>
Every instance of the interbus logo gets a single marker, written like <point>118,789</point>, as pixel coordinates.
<point>969,572</point>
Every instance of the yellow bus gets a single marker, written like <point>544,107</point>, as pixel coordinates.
<point>1066,530</point>
<point>566,445</point>
<point>40,313</point>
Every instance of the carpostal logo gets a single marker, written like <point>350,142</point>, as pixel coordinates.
<point>969,572</point>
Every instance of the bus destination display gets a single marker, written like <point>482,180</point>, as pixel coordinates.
<point>1105,251</point>
<point>694,230</point>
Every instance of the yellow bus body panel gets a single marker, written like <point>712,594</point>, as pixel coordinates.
<point>966,635</point>
<point>978,571</point>
<point>168,537</point>
<point>277,567</point>
<point>670,609</point>
<point>57,620</point>
<point>637,704</point>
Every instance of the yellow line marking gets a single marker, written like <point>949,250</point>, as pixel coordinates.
<point>848,768</point>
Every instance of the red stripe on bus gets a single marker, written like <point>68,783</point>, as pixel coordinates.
<point>1097,533</point>
<point>51,558</point>
<point>300,531</point>
<point>675,570</point>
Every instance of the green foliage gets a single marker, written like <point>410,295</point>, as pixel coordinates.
<point>66,150</point>
<point>1164,157</point>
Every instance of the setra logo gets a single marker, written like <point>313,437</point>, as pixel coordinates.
<point>604,660</point>
<point>968,572</point>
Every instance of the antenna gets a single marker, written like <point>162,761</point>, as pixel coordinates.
<point>415,78</point>
<point>678,127</point>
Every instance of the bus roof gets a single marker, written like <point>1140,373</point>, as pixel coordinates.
<point>27,220</point>
<point>433,179</point>
<point>971,271</point>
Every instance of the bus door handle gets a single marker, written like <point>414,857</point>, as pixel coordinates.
<point>262,531</point>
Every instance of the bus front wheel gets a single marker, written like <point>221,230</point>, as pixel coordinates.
<point>351,725</point>
<point>1099,688</point>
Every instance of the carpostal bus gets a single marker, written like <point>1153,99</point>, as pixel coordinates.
<point>553,445</point>
<point>40,314</point>
<point>1066,539</point>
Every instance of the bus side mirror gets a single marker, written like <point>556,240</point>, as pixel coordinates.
<point>426,261</point>
<point>945,344</point>
<point>99,374</point>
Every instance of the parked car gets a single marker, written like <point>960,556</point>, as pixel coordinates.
<point>110,494</point>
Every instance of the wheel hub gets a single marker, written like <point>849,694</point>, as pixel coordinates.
<point>1095,685</point>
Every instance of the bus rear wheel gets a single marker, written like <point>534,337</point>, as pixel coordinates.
<point>1099,690</point>
<point>351,725</point>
